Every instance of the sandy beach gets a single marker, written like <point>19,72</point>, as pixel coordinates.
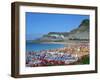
<point>68,43</point>
<point>69,54</point>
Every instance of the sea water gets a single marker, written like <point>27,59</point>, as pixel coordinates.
<point>42,46</point>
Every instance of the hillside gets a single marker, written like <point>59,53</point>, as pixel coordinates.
<point>84,26</point>
<point>80,33</point>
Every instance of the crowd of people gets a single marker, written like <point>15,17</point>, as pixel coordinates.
<point>61,56</point>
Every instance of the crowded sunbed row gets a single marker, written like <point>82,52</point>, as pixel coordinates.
<point>61,56</point>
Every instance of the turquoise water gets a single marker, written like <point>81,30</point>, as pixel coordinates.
<point>42,46</point>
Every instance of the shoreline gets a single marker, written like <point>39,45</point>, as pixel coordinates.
<point>72,49</point>
<point>69,43</point>
<point>64,42</point>
<point>62,56</point>
<point>66,45</point>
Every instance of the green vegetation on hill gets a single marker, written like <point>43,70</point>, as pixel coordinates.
<point>84,26</point>
<point>85,22</point>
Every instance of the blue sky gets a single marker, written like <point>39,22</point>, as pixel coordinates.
<point>38,24</point>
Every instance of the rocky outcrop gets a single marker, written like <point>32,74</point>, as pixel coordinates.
<point>80,33</point>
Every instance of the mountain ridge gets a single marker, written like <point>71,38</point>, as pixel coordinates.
<point>82,28</point>
<point>79,33</point>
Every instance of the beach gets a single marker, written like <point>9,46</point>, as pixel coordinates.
<point>68,42</point>
<point>69,54</point>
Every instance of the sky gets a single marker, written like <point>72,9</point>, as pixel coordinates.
<point>38,24</point>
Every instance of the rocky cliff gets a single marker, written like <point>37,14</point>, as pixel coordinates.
<point>81,32</point>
